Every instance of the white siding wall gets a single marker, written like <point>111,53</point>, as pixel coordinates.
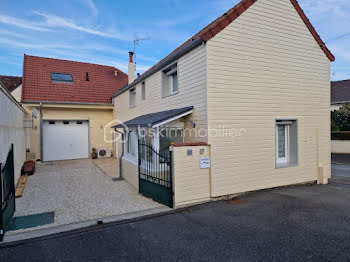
<point>190,182</point>
<point>192,92</point>
<point>266,65</point>
<point>341,146</point>
<point>11,132</point>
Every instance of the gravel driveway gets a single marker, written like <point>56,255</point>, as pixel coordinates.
<point>78,190</point>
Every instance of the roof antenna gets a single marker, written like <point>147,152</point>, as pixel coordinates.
<point>136,43</point>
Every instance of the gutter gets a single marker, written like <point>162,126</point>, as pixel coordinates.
<point>182,51</point>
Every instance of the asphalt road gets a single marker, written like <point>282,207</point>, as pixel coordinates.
<point>301,223</point>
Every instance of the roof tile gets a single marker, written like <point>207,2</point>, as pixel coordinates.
<point>37,84</point>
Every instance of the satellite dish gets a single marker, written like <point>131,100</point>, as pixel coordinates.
<point>34,113</point>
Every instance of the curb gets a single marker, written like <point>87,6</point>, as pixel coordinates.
<point>86,226</point>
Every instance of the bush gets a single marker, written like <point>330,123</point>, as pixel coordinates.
<point>340,119</point>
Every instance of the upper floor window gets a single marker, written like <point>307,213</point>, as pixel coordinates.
<point>61,77</point>
<point>143,91</point>
<point>132,97</point>
<point>170,80</point>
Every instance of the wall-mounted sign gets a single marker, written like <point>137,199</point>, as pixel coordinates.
<point>189,152</point>
<point>205,162</point>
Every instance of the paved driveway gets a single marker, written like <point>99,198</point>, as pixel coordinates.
<point>78,190</point>
<point>301,223</point>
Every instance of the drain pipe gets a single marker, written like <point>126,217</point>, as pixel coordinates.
<point>121,157</point>
<point>41,132</point>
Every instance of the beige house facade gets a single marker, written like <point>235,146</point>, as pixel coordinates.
<point>255,84</point>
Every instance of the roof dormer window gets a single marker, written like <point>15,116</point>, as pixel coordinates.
<point>61,77</point>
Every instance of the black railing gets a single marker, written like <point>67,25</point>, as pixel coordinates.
<point>7,192</point>
<point>155,174</point>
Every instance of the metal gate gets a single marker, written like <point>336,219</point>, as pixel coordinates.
<point>7,192</point>
<point>155,174</point>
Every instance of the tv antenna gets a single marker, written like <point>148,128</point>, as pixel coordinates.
<point>136,43</point>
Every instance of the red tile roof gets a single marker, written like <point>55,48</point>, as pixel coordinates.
<point>227,18</point>
<point>37,84</point>
<point>10,82</point>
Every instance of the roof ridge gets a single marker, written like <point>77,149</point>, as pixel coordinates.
<point>66,60</point>
<point>209,31</point>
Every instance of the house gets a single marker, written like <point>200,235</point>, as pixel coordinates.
<point>12,84</point>
<point>340,94</point>
<point>70,104</point>
<point>247,99</point>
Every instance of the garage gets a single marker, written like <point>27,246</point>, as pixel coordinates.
<point>65,139</point>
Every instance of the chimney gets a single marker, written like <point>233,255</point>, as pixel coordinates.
<point>131,71</point>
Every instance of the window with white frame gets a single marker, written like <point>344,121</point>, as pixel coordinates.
<point>143,91</point>
<point>170,80</point>
<point>286,143</point>
<point>131,143</point>
<point>132,97</point>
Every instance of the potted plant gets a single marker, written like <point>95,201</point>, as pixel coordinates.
<point>94,153</point>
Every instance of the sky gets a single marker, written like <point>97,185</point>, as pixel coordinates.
<point>103,31</point>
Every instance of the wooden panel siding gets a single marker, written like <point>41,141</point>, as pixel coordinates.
<point>192,92</point>
<point>263,66</point>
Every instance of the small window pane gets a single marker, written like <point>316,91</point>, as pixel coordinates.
<point>79,122</point>
<point>143,91</point>
<point>174,84</point>
<point>51,122</point>
<point>281,140</point>
<point>61,77</point>
<point>66,122</point>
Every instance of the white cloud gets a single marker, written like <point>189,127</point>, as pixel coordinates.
<point>52,20</point>
<point>92,6</point>
<point>4,19</point>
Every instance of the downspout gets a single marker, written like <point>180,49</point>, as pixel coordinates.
<point>121,158</point>
<point>41,132</point>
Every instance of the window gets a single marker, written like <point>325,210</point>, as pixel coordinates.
<point>52,122</point>
<point>79,122</point>
<point>66,122</point>
<point>286,143</point>
<point>132,97</point>
<point>61,77</point>
<point>170,80</point>
<point>168,136</point>
<point>131,143</point>
<point>143,91</point>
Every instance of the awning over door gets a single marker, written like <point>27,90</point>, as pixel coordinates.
<point>157,119</point>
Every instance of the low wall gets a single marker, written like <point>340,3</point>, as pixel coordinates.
<point>341,146</point>
<point>190,181</point>
<point>130,173</point>
<point>11,130</point>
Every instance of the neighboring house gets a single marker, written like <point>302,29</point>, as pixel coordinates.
<point>340,94</point>
<point>13,85</point>
<point>260,73</point>
<point>76,105</point>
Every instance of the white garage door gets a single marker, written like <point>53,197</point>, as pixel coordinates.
<point>65,140</point>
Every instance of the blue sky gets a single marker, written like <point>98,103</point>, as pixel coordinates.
<point>102,31</point>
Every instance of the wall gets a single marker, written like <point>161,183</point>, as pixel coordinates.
<point>341,146</point>
<point>17,93</point>
<point>98,119</point>
<point>130,173</point>
<point>192,92</point>
<point>266,65</point>
<point>190,182</point>
<point>11,131</point>
<point>336,107</point>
